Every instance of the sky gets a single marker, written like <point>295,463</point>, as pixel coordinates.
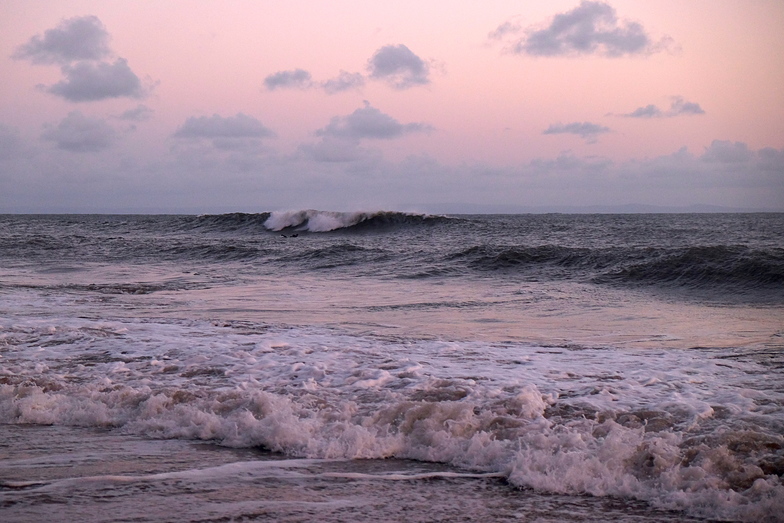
<point>427,106</point>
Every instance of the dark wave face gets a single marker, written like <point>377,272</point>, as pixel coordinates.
<point>732,266</point>
<point>691,267</point>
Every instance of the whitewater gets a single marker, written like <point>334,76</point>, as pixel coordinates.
<point>386,366</point>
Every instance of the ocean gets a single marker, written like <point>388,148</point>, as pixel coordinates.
<point>387,366</point>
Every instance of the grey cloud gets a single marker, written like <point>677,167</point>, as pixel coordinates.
<point>592,28</point>
<point>140,113</point>
<point>230,133</point>
<point>91,81</point>
<point>369,123</point>
<point>724,151</point>
<point>80,134</point>
<point>345,81</point>
<point>79,38</point>
<point>649,111</point>
<point>398,66</point>
<point>504,29</point>
<point>678,107</point>
<point>295,79</point>
<point>586,130</point>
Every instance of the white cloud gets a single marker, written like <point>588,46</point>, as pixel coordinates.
<point>80,134</point>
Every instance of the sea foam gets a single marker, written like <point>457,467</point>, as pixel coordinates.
<point>555,419</point>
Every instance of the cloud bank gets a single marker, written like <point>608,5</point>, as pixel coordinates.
<point>592,28</point>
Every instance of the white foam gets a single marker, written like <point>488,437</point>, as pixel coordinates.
<point>312,220</point>
<point>574,421</point>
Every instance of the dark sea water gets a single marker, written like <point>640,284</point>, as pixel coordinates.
<point>382,366</point>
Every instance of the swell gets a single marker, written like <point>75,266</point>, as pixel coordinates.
<point>690,267</point>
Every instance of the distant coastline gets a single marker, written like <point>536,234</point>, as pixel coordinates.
<point>434,208</point>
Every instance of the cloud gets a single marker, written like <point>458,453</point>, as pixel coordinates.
<point>399,67</point>
<point>79,45</point>
<point>92,81</point>
<point>586,130</point>
<point>678,107</point>
<point>341,138</point>
<point>394,64</point>
<point>333,149</point>
<point>295,79</point>
<point>345,81</point>
<point>649,111</point>
<point>301,79</point>
<point>80,134</point>
<point>592,28</point>
<point>140,113</point>
<point>230,133</point>
<point>369,123</point>
<point>726,152</point>
<point>216,126</point>
<point>75,39</point>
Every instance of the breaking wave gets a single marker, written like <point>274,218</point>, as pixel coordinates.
<point>317,221</point>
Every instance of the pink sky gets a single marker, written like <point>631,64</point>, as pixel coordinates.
<point>663,103</point>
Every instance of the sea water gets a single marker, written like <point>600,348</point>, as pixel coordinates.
<point>383,366</point>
